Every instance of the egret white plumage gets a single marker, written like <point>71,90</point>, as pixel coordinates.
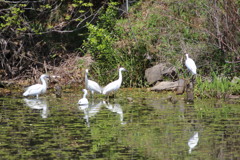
<point>84,100</point>
<point>190,64</point>
<point>92,85</point>
<point>37,89</point>
<point>115,85</point>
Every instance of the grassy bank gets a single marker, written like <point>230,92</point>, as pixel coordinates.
<point>161,31</point>
<point>219,87</point>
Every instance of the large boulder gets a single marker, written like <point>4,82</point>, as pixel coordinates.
<point>166,85</point>
<point>157,72</point>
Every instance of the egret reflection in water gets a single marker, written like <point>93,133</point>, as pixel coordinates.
<point>39,104</point>
<point>90,110</point>
<point>116,108</point>
<point>193,141</point>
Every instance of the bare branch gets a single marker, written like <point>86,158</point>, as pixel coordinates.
<point>232,62</point>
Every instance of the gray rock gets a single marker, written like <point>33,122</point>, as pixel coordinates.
<point>181,86</point>
<point>166,85</point>
<point>157,72</point>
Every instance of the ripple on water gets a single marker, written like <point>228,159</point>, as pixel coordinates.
<point>147,127</point>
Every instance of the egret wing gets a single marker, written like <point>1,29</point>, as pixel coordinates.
<point>190,64</point>
<point>33,90</point>
<point>94,86</point>
<point>83,101</point>
<point>111,87</point>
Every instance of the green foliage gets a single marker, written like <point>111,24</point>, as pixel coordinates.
<point>108,18</point>
<point>219,87</point>
<point>100,44</point>
<point>109,54</point>
<point>40,31</point>
<point>80,4</point>
<point>13,19</point>
<point>146,39</point>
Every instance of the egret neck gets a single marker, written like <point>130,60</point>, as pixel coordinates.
<point>44,83</point>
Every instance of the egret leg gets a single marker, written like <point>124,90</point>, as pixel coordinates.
<point>193,78</point>
<point>92,94</point>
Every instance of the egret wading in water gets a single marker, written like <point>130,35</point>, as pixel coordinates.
<point>84,100</point>
<point>37,89</point>
<point>92,85</point>
<point>190,64</point>
<point>115,85</point>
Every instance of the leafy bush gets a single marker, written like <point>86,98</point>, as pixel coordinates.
<point>100,44</point>
<point>103,44</point>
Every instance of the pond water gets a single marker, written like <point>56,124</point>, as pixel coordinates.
<point>136,124</point>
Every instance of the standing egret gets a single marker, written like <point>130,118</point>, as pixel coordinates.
<point>115,85</point>
<point>190,64</point>
<point>84,100</point>
<point>92,85</point>
<point>37,89</point>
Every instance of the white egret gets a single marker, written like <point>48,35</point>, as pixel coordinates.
<point>92,85</point>
<point>84,100</point>
<point>115,85</point>
<point>37,89</point>
<point>190,64</point>
<point>193,141</point>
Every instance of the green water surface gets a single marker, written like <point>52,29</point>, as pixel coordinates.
<point>136,124</point>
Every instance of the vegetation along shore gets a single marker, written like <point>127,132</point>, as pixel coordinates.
<point>64,38</point>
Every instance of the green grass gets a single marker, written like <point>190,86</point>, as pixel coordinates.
<point>218,87</point>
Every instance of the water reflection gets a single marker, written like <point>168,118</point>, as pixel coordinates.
<point>193,141</point>
<point>153,131</point>
<point>116,108</point>
<point>39,104</point>
<point>90,110</point>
